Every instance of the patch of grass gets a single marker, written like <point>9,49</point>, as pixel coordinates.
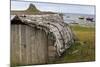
<point>82,50</point>
<point>80,28</point>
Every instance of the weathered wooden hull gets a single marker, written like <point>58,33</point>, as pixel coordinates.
<point>38,39</point>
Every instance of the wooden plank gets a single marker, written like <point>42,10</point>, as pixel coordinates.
<point>13,62</point>
<point>23,45</point>
<point>28,44</point>
<point>14,45</point>
<point>20,51</point>
<point>34,46</point>
<point>17,44</point>
<point>42,46</point>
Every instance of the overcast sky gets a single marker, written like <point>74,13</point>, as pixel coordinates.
<point>63,8</point>
<point>87,2</point>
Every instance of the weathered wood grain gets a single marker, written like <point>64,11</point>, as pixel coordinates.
<point>28,45</point>
<point>15,55</point>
